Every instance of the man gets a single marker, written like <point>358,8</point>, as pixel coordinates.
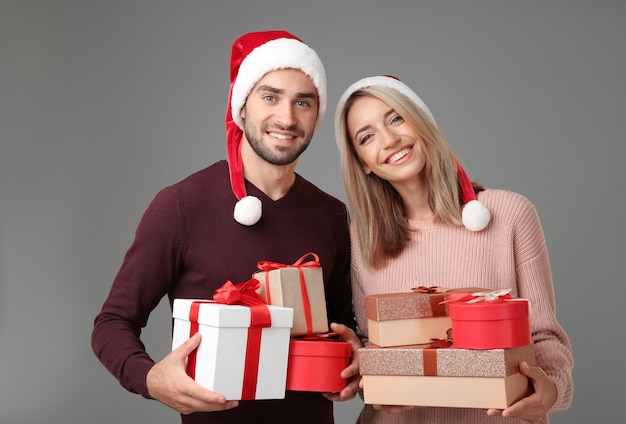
<point>215,226</point>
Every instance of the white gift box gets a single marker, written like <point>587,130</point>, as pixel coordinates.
<point>220,360</point>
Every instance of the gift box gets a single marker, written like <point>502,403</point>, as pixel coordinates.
<point>415,317</point>
<point>490,320</point>
<point>315,364</point>
<point>234,358</point>
<point>299,286</point>
<point>420,375</point>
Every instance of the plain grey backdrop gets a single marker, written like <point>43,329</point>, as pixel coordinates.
<point>103,103</point>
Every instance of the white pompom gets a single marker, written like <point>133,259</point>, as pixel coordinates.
<point>475,216</point>
<point>248,210</point>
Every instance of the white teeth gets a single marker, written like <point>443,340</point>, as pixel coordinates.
<point>281,136</point>
<point>402,153</point>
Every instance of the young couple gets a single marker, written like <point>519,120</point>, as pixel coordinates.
<point>416,219</point>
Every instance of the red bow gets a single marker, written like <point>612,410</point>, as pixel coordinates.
<point>269,266</point>
<point>429,290</point>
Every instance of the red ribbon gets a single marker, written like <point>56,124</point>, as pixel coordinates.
<point>430,353</point>
<point>194,311</point>
<point>271,266</point>
<point>239,294</point>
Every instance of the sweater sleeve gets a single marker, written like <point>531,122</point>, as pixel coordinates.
<point>144,278</point>
<point>534,282</point>
<point>339,296</point>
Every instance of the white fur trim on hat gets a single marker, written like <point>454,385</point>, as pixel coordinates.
<point>248,210</point>
<point>281,53</point>
<point>380,81</point>
<point>475,216</point>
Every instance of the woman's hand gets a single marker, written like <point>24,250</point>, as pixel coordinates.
<point>534,407</point>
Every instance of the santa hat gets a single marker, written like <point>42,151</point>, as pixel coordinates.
<point>475,215</point>
<point>254,55</point>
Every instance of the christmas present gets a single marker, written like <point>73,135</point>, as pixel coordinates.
<point>245,343</point>
<point>397,319</point>
<point>299,286</point>
<point>422,375</point>
<point>316,362</point>
<point>489,320</point>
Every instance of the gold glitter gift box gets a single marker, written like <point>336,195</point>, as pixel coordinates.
<point>421,375</point>
<point>398,319</point>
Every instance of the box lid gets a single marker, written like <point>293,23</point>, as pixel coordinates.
<point>220,315</point>
<point>489,311</point>
<point>419,360</point>
<point>320,348</point>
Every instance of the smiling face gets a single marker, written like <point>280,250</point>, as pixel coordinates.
<point>280,115</point>
<point>384,142</point>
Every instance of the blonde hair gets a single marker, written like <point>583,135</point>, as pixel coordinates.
<point>381,225</point>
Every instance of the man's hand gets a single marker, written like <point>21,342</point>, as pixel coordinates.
<point>351,372</point>
<point>534,407</point>
<point>169,383</point>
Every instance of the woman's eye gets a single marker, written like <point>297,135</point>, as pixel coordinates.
<point>365,138</point>
<point>396,119</point>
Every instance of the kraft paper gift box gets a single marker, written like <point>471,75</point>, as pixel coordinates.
<point>489,320</point>
<point>234,359</point>
<point>415,317</point>
<point>316,362</point>
<point>450,377</point>
<point>299,286</point>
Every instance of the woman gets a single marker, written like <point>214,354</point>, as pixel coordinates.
<point>419,220</point>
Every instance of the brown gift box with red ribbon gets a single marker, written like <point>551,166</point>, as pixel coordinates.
<point>243,355</point>
<point>299,286</point>
<point>421,375</point>
<point>398,319</point>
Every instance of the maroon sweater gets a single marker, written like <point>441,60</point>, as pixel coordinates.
<point>187,244</point>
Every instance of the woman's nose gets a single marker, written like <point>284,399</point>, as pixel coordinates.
<point>389,138</point>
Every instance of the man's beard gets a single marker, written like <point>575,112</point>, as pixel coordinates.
<point>280,155</point>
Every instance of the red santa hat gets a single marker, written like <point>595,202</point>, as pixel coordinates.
<point>254,55</point>
<point>475,215</point>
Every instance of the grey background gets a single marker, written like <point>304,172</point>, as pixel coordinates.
<point>105,102</point>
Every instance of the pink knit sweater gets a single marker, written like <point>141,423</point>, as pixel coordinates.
<point>510,253</point>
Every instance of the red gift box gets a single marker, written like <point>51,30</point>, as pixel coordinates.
<point>315,364</point>
<point>481,321</point>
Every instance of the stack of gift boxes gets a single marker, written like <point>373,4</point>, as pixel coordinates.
<point>264,336</point>
<point>452,348</point>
